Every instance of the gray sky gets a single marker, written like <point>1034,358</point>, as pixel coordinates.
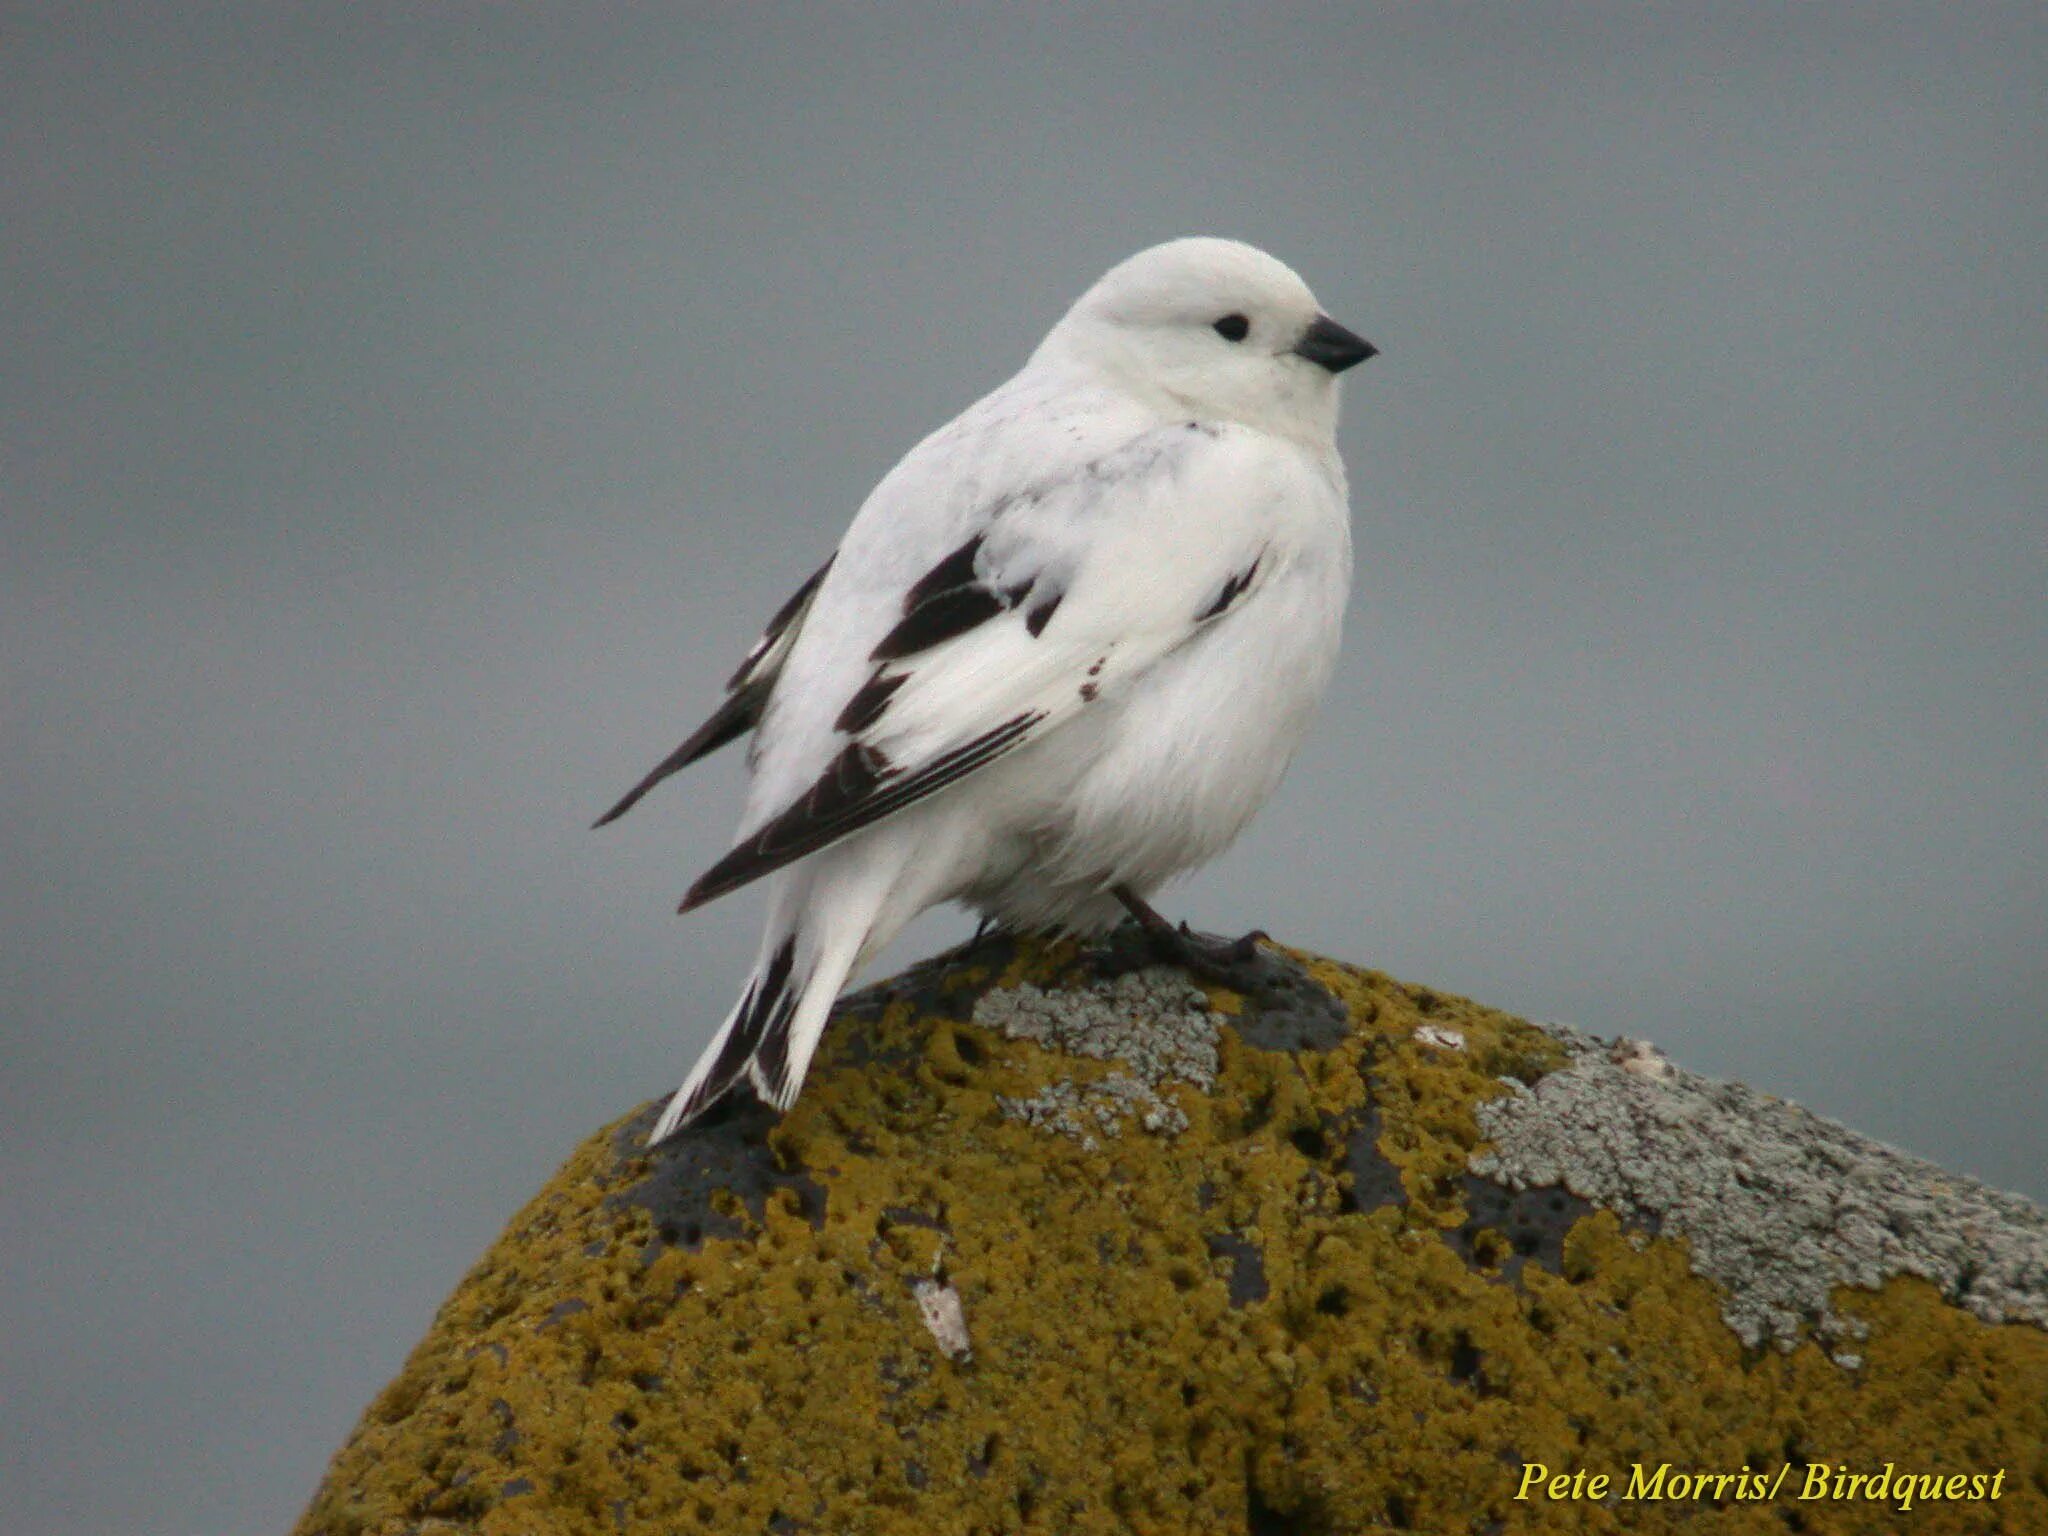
<point>409,421</point>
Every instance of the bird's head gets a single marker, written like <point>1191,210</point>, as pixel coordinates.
<point>1220,328</point>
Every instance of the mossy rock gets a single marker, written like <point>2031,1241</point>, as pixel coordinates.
<point>1054,1242</point>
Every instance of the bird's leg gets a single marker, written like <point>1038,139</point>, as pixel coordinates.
<point>1220,961</point>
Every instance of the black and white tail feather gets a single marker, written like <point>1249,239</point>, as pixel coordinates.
<point>772,1033</point>
<point>1063,653</point>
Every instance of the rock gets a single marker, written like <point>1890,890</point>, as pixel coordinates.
<point>1056,1241</point>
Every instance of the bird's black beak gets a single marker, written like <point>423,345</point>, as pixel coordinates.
<point>1328,345</point>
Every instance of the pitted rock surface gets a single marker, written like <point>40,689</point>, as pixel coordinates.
<point>1299,1304</point>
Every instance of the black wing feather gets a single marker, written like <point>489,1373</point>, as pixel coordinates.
<point>746,696</point>
<point>740,713</point>
<point>784,617</point>
<point>860,788</point>
<point>948,601</point>
<point>869,700</point>
<point>1233,589</point>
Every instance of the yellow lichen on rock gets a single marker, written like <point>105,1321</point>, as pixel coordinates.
<point>1222,1263</point>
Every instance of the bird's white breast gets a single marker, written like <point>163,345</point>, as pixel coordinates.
<point>1163,777</point>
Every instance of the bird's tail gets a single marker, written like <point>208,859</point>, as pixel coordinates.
<point>810,949</point>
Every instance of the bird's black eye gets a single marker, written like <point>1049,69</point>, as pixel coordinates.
<point>1233,327</point>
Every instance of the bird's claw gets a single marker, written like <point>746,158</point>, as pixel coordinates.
<point>1224,962</point>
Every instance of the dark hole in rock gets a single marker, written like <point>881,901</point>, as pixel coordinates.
<point>1465,1359</point>
<point>1247,1266</point>
<point>1259,1112</point>
<point>1373,1181</point>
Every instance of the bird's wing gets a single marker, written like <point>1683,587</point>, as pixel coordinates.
<point>1058,596</point>
<point>746,695</point>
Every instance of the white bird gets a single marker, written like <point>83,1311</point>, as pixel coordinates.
<point>1063,654</point>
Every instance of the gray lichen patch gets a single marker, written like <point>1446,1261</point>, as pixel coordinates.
<point>1155,1022</point>
<point>1080,1111</point>
<point>1778,1205</point>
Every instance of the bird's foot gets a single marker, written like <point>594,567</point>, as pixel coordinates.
<point>1228,963</point>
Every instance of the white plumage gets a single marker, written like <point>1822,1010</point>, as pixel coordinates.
<point>1063,653</point>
